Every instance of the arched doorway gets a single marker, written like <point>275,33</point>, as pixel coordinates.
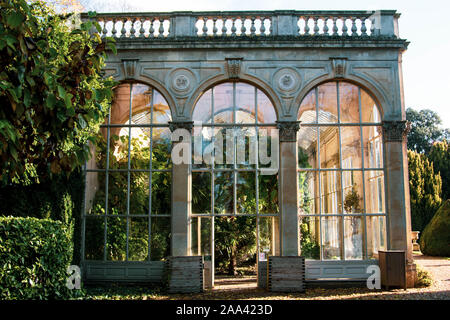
<point>234,220</point>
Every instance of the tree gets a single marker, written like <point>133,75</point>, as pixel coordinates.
<point>424,188</point>
<point>439,155</point>
<point>424,130</point>
<point>52,94</point>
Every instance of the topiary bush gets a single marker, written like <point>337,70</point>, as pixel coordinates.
<point>435,239</point>
<point>34,256</point>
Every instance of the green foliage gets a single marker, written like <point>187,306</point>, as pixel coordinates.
<point>34,256</point>
<point>52,94</point>
<point>439,155</point>
<point>352,201</point>
<point>59,198</point>
<point>424,130</point>
<point>424,189</point>
<point>424,278</point>
<point>435,239</point>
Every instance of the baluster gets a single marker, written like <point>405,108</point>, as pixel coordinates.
<point>205,28</point>
<point>243,28</point>
<point>306,26</point>
<point>372,27</point>
<point>161,28</point>
<point>224,27</point>
<point>298,29</point>
<point>215,26</point>
<point>253,28</point>
<point>354,27</point>
<point>270,27</point>
<point>152,29</point>
<point>104,30</point>
<point>363,27</point>
<point>335,28</point>
<point>123,31</point>
<point>344,27</point>
<point>114,30</point>
<point>132,29</point>
<point>316,27</point>
<point>262,29</point>
<point>325,26</point>
<point>233,27</point>
<point>141,29</point>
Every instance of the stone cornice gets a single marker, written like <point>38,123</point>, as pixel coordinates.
<point>187,125</point>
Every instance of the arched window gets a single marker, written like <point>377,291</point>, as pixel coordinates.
<point>128,181</point>
<point>226,173</point>
<point>341,174</point>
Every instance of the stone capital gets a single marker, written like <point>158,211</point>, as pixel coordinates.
<point>174,125</point>
<point>288,130</point>
<point>395,131</point>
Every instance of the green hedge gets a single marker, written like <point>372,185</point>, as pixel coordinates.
<point>34,256</point>
<point>435,239</point>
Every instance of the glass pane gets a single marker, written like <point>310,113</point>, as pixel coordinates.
<point>329,147</point>
<point>202,147</point>
<point>307,147</point>
<point>351,147</point>
<point>94,238</point>
<point>224,147</point>
<point>310,237</point>
<point>116,238</point>
<point>267,232</point>
<point>375,202</point>
<point>348,102</point>
<point>369,109</point>
<point>307,112</point>
<point>139,192</point>
<point>117,192</point>
<point>331,191</point>
<point>308,191</point>
<point>353,191</point>
<point>268,193</point>
<point>140,148</point>
<point>223,103</point>
<point>160,238</point>
<point>141,95</point>
<point>161,192</point>
<point>201,236</point>
<point>223,192</point>
<point>268,148</point>
<point>138,239</point>
<point>245,103</point>
<point>246,147</point>
<point>95,193</point>
<point>266,111</point>
<point>161,148</point>
<point>327,94</point>
<point>119,148</point>
<point>161,110</point>
<point>120,106</point>
<point>373,147</point>
<point>246,193</point>
<point>353,237</point>
<point>98,151</point>
<point>376,235</point>
<point>331,234</point>
<point>201,192</point>
<point>202,110</point>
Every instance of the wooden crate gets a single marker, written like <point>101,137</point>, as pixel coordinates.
<point>286,274</point>
<point>392,268</point>
<point>185,274</point>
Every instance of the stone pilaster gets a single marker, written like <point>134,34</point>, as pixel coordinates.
<point>181,197</point>
<point>288,185</point>
<point>397,191</point>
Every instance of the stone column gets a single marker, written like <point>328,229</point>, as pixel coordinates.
<point>181,196</point>
<point>397,191</point>
<point>288,186</point>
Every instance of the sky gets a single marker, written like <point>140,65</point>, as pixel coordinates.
<point>426,63</point>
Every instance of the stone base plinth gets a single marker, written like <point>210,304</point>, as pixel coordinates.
<point>286,274</point>
<point>411,275</point>
<point>185,274</point>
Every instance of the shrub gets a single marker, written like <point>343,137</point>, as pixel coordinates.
<point>34,256</point>
<point>435,239</point>
<point>424,278</point>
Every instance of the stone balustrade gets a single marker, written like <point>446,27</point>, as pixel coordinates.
<point>301,24</point>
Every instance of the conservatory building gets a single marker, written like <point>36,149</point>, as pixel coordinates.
<point>269,137</point>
